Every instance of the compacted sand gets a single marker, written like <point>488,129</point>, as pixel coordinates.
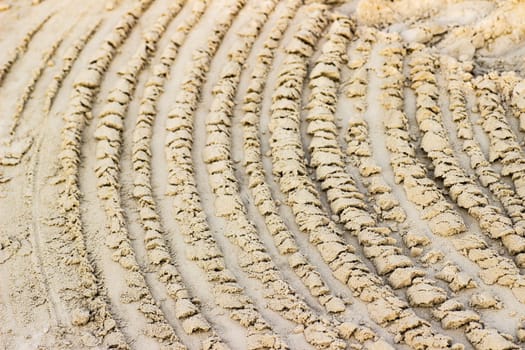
<point>262,174</point>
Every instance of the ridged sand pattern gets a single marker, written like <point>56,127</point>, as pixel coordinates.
<point>262,174</point>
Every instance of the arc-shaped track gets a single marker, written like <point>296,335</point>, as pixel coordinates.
<point>245,174</point>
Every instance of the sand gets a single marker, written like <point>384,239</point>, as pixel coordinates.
<point>262,174</point>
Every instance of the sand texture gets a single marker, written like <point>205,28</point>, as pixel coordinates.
<point>262,174</point>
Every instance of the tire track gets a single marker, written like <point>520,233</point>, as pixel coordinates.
<point>68,60</point>
<point>228,203</point>
<point>21,48</point>
<point>503,143</point>
<point>260,190</point>
<point>462,189</point>
<point>108,148</point>
<point>263,200</point>
<point>159,254</point>
<point>203,248</point>
<point>384,307</point>
<point>79,112</point>
<point>13,148</point>
<point>487,175</point>
<point>379,243</point>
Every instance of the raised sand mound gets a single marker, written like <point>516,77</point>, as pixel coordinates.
<point>262,174</point>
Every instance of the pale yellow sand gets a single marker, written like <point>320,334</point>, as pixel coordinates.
<point>262,174</point>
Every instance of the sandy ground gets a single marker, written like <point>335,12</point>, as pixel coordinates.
<point>262,174</point>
